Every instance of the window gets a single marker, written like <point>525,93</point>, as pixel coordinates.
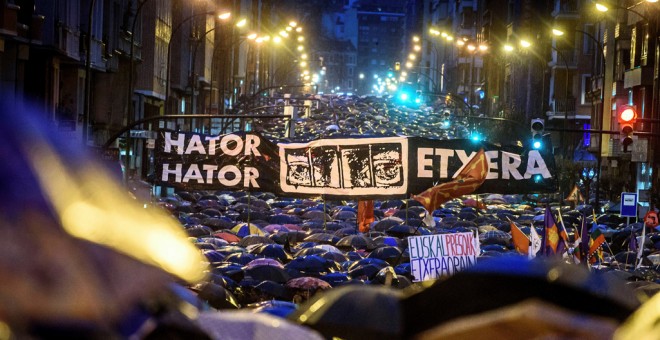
<point>585,85</point>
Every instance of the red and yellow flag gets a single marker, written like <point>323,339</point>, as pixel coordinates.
<point>365,215</point>
<point>467,181</point>
<point>520,240</point>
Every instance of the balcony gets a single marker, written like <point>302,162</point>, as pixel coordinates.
<point>569,58</point>
<point>562,109</point>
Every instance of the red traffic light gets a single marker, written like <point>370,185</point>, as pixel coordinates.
<point>627,114</point>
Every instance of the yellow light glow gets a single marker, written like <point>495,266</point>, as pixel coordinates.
<point>293,23</point>
<point>277,39</point>
<point>508,48</point>
<point>298,29</point>
<point>444,34</point>
<point>224,16</point>
<point>301,39</point>
<point>241,23</point>
<point>557,32</point>
<point>409,65</point>
<point>303,64</point>
<point>525,43</point>
<point>289,28</point>
<point>415,38</point>
<point>91,206</point>
<point>303,56</point>
<point>417,48</point>
<point>483,48</point>
<point>411,56</point>
<point>404,73</point>
<point>471,47</point>
<point>300,48</point>
<point>460,42</point>
<point>252,36</point>
<point>601,8</point>
<point>284,34</point>
<point>449,38</point>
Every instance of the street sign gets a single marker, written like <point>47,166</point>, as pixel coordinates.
<point>628,204</point>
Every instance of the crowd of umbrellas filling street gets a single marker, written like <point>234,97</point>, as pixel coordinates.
<point>81,258</point>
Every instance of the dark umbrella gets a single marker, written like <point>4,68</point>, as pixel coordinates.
<point>335,279</point>
<point>240,258</point>
<point>324,238</point>
<point>366,268</point>
<point>403,230</point>
<point>254,239</point>
<point>274,251</point>
<point>216,296</point>
<point>275,307</point>
<point>308,283</point>
<point>386,223</point>
<point>354,312</point>
<point>272,273</point>
<point>313,265</point>
<point>284,219</point>
<point>358,241</point>
<point>199,230</point>
<point>390,254</point>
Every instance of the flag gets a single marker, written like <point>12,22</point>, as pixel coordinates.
<point>520,240</point>
<point>584,239</point>
<point>365,215</point>
<point>467,181</point>
<point>632,244</point>
<point>596,240</point>
<point>536,242</point>
<point>563,235</point>
<point>554,242</point>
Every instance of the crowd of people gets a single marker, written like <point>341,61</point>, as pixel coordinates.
<point>80,259</point>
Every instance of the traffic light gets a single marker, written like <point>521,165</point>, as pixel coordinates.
<point>537,126</point>
<point>397,66</point>
<point>627,116</point>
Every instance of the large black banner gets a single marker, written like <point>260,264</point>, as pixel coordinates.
<point>342,168</point>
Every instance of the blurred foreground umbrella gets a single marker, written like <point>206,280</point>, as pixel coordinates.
<point>241,325</point>
<point>74,247</point>
<point>353,312</point>
<point>513,280</point>
<point>216,296</point>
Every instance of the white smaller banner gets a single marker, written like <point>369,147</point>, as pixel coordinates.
<point>434,256</point>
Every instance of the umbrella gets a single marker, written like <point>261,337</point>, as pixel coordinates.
<point>322,238</point>
<point>512,280</point>
<point>262,273</point>
<point>284,219</point>
<point>390,254</point>
<point>357,241</point>
<point>216,296</point>
<point>240,258</point>
<point>254,240</point>
<point>495,237</point>
<point>403,230</point>
<point>274,307</point>
<point>275,251</point>
<point>312,265</point>
<point>274,228</point>
<point>353,312</point>
<point>366,268</point>
<point>344,215</point>
<point>264,261</point>
<point>316,215</point>
<point>308,283</point>
<point>227,236</point>
<point>387,223</point>
<point>241,325</point>
<point>335,279</point>
<point>72,237</point>
<point>245,229</point>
